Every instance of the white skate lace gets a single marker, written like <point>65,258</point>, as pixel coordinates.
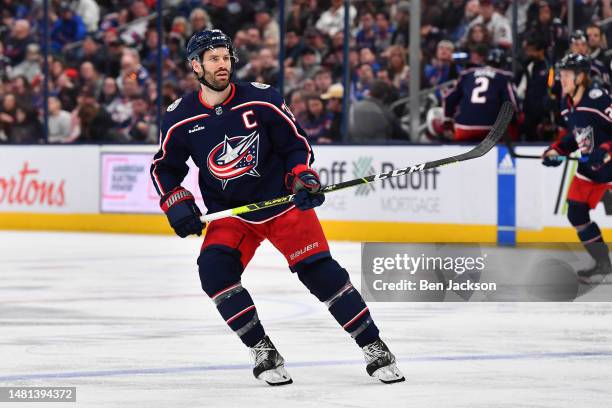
<point>260,351</point>
<point>373,351</point>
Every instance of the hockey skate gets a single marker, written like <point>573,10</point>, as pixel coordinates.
<point>381,363</point>
<point>595,274</point>
<point>269,363</point>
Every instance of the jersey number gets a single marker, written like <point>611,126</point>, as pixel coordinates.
<point>609,112</point>
<point>482,85</point>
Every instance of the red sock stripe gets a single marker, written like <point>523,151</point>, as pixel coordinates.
<point>224,290</point>
<point>237,315</point>
<point>365,309</point>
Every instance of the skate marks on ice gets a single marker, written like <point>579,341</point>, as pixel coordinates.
<point>122,318</point>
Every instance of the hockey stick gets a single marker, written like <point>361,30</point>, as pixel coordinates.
<point>516,155</point>
<point>495,134</point>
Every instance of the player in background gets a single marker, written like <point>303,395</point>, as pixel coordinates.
<point>474,102</point>
<point>249,148</point>
<point>599,72</point>
<point>587,115</point>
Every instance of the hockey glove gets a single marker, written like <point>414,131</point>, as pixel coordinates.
<point>305,184</point>
<point>599,156</point>
<point>182,212</point>
<point>552,159</point>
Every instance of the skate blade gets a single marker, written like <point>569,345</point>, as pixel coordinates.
<point>276,376</point>
<point>389,374</point>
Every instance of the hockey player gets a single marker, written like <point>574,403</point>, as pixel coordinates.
<point>480,91</point>
<point>587,115</point>
<point>249,147</point>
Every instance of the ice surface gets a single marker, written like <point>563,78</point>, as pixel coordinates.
<point>123,318</point>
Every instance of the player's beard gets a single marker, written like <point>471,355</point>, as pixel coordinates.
<point>216,81</point>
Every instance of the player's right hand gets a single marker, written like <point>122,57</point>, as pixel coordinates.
<point>305,184</point>
<point>551,157</point>
<point>182,212</point>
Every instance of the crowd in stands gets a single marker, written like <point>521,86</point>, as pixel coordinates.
<point>103,55</point>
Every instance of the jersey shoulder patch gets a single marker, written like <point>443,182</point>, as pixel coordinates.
<point>595,93</point>
<point>174,105</point>
<point>259,85</point>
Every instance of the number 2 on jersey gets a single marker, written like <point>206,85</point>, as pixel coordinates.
<point>482,85</point>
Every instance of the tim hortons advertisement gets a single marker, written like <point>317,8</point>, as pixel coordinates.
<point>542,192</point>
<point>463,193</point>
<point>49,179</point>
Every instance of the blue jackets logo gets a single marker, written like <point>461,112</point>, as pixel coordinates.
<point>234,157</point>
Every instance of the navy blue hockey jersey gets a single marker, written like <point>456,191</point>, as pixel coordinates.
<point>478,96</point>
<point>589,124</point>
<point>242,147</point>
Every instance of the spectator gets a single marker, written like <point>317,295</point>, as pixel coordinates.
<point>88,51</point>
<point>7,116</point>
<point>149,50</point>
<point>315,119</point>
<point>30,66</point>
<point>332,20</point>
<point>59,122</point>
<point>111,53</point>
<point>96,125</point>
<point>26,129</point>
<point>371,121</point>
<point>199,20</point>
<point>367,56</point>
<point>496,24</point>
<point>442,68</point>
<point>90,12</point>
<point>333,96</point>
<point>269,67</point>
<point>533,88</point>
<point>68,28</point>
<point>132,68</point>
<point>398,70</point>
<point>401,32</point>
<point>477,35</point>
<point>135,31</point>
<point>383,32</point>
<point>323,80</point>
<point>15,45</point>
<point>297,104</point>
<point>5,64</point>
<point>551,29</point>
<point>366,36</point>
<point>597,44</point>
<point>454,20</point>
<point>309,62</point>
<point>299,17</point>
<point>90,78</point>
<point>143,128</point>
<point>361,87</point>
<point>293,48</point>
<point>118,105</point>
<point>268,27</point>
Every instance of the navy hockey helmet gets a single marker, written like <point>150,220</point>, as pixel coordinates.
<point>497,58</point>
<point>575,62</point>
<point>207,40</point>
<point>578,35</point>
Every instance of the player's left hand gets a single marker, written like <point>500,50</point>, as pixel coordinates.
<point>305,184</point>
<point>598,157</point>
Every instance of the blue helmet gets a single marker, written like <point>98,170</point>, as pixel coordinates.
<point>576,63</point>
<point>497,58</point>
<point>208,40</point>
